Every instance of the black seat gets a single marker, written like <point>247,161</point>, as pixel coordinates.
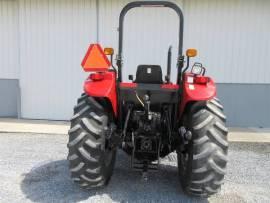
<point>151,74</point>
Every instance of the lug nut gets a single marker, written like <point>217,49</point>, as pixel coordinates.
<point>182,131</point>
<point>188,135</point>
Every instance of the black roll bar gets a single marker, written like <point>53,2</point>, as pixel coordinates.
<point>135,4</point>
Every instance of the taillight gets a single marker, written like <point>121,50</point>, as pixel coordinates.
<point>97,76</point>
<point>201,79</point>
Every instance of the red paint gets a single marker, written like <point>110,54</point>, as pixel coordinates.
<point>169,86</point>
<point>196,92</point>
<point>97,76</point>
<point>201,79</point>
<point>103,88</point>
<point>128,84</point>
<point>134,85</point>
<point>95,59</point>
<point>104,85</point>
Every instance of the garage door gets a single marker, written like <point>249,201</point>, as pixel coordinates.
<point>54,36</point>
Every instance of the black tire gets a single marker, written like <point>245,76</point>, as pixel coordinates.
<point>91,162</point>
<point>202,164</point>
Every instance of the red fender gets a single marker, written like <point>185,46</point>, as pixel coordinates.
<point>102,84</point>
<point>196,92</point>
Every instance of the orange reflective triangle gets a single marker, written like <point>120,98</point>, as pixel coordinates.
<point>95,59</point>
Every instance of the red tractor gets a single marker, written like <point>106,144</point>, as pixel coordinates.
<point>148,118</point>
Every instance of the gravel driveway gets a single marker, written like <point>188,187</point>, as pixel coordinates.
<point>33,168</point>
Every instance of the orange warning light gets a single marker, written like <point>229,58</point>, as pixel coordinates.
<point>95,59</point>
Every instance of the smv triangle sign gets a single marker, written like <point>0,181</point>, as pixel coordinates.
<point>95,59</point>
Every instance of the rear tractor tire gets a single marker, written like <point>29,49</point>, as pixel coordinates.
<point>203,161</point>
<point>91,161</point>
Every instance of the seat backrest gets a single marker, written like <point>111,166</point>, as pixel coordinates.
<point>151,74</point>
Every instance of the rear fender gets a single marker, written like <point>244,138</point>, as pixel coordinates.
<point>196,92</point>
<point>103,87</point>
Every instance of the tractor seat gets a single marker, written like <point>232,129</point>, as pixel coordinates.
<point>151,74</point>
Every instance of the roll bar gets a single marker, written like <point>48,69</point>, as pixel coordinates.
<point>135,4</point>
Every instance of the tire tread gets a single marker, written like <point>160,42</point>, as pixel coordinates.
<point>209,149</point>
<point>86,138</point>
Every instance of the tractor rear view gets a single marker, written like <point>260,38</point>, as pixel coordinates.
<point>148,117</point>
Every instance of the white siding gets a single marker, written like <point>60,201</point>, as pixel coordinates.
<point>55,35</point>
<point>232,38</point>
<point>9,50</point>
<point>148,34</point>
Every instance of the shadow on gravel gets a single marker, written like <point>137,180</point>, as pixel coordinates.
<point>50,182</point>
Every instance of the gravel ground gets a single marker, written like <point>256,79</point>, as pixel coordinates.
<point>33,168</point>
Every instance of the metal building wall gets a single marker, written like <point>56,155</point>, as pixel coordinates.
<point>9,58</point>
<point>232,37</point>
<point>48,39</point>
<point>233,42</point>
<point>245,105</point>
<point>148,33</point>
<point>54,36</point>
<point>9,51</point>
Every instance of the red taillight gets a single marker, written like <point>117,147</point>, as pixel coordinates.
<point>201,79</point>
<point>97,76</point>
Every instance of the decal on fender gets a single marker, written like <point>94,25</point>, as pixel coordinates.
<point>190,79</point>
<point>191,87</point>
